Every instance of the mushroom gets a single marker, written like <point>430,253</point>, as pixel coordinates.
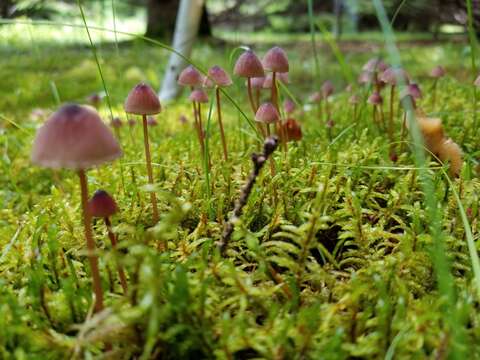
<point>248,65</point>
<point>220,79</point>
<point>267,114</point>
<point>327,90</point>
<point>376,100</point>
<point>292,130</point>
<point>275,61</point>
<point>289,106</point>
<point>102,205</point>
<point>74,137</point>
<point>451,152</point>
<point>257,84</point>
<point>143,101</point>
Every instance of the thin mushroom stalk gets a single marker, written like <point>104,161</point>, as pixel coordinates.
<point>92,258</point>
<point>148,159</point>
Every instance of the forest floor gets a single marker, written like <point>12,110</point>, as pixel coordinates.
<point>339,254</point>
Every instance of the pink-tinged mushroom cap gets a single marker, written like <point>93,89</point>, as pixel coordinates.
<point>375,65</point>
<point>219,76</point>
<point>391,76</point>
<point>276,60</point>
<point>102,205</point>
<point>257,82</point>
<point>438,72</point>
<point>282,77</point>
<point>151,121</point>
<point>142,100</point>
<point>366,77</point>
<point>116,122</point>
<point>412,90</point>
<point>375,99</point>
<point>327,89</point>
<point>190,77</point>
<point>248,65</point>
<point>74,137</point>
<point>267,113</point>
<point>199,96</point>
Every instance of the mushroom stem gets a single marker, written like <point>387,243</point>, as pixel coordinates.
<point>197,128</point>
<point>250,96</point>
<point>92,258</point>
<point>148,158</point>
<point>390,123</point>
<point>113,239</point>
<point>220,124</point>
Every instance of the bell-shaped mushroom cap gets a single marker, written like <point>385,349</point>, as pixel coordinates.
<point>151,121</point>
<point>190,77</point>
<point>282,77</point>
<point>412,90</point>
<point>451,152</point>
<point>391,76</point>
<point>374,64</point>
<point>257,82</point>
<point>375,99</point>
<point>199,96</point>
<point>142,100</point>
<point>275,60</point>
<point>116,122</point>
<point>248,65</point>
<point>219,76</point>
<point>289,106</point>
<point>438,72</point>
<point>292,130</point>
<point>267,113</point>
<point>327,88</point>
<point>102,205</point>
<point>74,137</point>
<point>432,131</point>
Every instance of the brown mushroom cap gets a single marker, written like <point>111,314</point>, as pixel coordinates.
<point>432,131</point>
<point>375,98</point>
<point>142,100</point>
<point>451,152</point>
<point>248,65</point>
<point>190,77</point>
<point>219,76</point>
<point>102,205</point>
<point>74,137</point>
<point>267,113</point>
<point>276,60</point>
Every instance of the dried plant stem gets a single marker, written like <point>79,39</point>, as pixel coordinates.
<point>258,160</point>
<point>92,258</point>
<point>148,158</point>
<point>113,239</point>
<point>220,124</point>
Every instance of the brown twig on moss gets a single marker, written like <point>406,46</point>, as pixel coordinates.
<point>258,160</point>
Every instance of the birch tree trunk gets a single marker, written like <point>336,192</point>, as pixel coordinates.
<point>186,30</point>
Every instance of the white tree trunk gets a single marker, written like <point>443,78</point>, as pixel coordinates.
<point>186,30</point>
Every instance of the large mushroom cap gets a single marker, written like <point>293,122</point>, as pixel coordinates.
<point>275,60</point>
<point>267,113</point>
<point>248,65</point>
<point>142,100</point>
<point>102,204</point>
<point>219,76</point>
<point>74,137</point>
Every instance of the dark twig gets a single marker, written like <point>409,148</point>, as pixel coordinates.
<point>258,160</point>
